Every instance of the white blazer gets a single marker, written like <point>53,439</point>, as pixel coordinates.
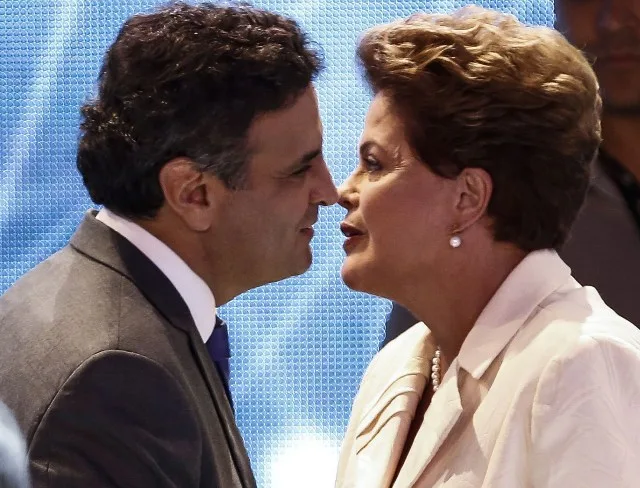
<point>545,392</point>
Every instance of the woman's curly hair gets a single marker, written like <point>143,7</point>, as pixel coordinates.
<point>479,89</point>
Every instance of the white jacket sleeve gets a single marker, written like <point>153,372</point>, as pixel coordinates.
<point>585,424</point>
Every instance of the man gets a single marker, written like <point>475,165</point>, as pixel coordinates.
<point>204,145</point>
<point>604,248</point>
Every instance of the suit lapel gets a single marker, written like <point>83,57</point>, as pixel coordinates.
<point>385,420</point>
<point>100,243</point>
<point>224,410</point>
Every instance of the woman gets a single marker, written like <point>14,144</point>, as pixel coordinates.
<point>474,162</point>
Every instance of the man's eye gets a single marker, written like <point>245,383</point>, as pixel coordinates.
<point>301,171</point>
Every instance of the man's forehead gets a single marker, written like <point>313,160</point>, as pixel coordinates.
<point>300,116</point>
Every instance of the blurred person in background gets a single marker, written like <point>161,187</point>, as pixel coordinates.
<point>603,249</point>
<point>475,160</point>
<point>14,467</point>
<point>204,145</point>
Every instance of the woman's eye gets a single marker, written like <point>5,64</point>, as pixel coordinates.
<point>372,164</point>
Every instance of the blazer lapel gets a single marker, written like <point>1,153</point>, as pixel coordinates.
<point>385,420</point>
<point>224,410</point>
<point>441,416</point>
<point>99,242</point>
<point>400,394</point>
<point>383,428</point>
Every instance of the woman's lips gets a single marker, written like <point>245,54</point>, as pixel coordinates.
<point>351,242</point>
<point>353,235</point>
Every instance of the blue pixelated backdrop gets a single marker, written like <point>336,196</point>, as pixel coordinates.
<point>299,346</point>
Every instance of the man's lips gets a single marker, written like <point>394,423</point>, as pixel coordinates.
<point>307,232</point>
<point>307,229</point>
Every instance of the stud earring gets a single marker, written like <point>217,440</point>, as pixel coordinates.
<point>455,241</point>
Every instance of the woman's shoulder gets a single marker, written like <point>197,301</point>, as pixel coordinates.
<point>579,316</point>
<point>569,334</point>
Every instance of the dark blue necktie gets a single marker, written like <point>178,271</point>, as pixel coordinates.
<point>220,352</point>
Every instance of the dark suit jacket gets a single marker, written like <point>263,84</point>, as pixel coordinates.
<point>602,251</point>
<point>108,376</point>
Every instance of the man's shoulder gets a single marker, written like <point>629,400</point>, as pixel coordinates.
<point>64,285</point>
<point>64,266</point>
<point>64,311</point>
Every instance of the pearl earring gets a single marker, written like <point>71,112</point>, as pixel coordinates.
<point>455,241</point>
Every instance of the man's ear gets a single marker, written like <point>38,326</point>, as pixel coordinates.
<point>188,192</point>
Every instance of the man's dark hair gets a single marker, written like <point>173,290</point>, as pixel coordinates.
<point>186,81</point>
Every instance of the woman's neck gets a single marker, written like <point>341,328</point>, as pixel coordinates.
<point>451,307</point>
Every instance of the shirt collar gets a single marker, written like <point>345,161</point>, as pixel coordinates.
<point>536,277</point>
<point>193,290</point>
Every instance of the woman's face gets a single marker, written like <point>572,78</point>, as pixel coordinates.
<point>399,214</point>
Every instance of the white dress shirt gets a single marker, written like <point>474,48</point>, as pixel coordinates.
<point>193,290</point>
<point>545,393</point>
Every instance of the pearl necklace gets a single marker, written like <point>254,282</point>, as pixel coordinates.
<point>435,370</point>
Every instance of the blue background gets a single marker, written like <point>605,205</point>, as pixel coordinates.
<point>299,346</point>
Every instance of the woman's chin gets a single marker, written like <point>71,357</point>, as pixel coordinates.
<point>351,275</point>
<point>356,276</point>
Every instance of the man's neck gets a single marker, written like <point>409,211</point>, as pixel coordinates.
<point>621,140</point>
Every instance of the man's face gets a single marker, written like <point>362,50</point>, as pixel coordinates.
<point>266,227</point>
<point>608,31</point>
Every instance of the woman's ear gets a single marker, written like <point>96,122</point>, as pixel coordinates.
<point>475,188</point>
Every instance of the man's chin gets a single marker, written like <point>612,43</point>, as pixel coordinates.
<point>297,265</point>
<point>305,260</point>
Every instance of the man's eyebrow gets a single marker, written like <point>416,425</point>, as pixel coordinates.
<point>306,159</point>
